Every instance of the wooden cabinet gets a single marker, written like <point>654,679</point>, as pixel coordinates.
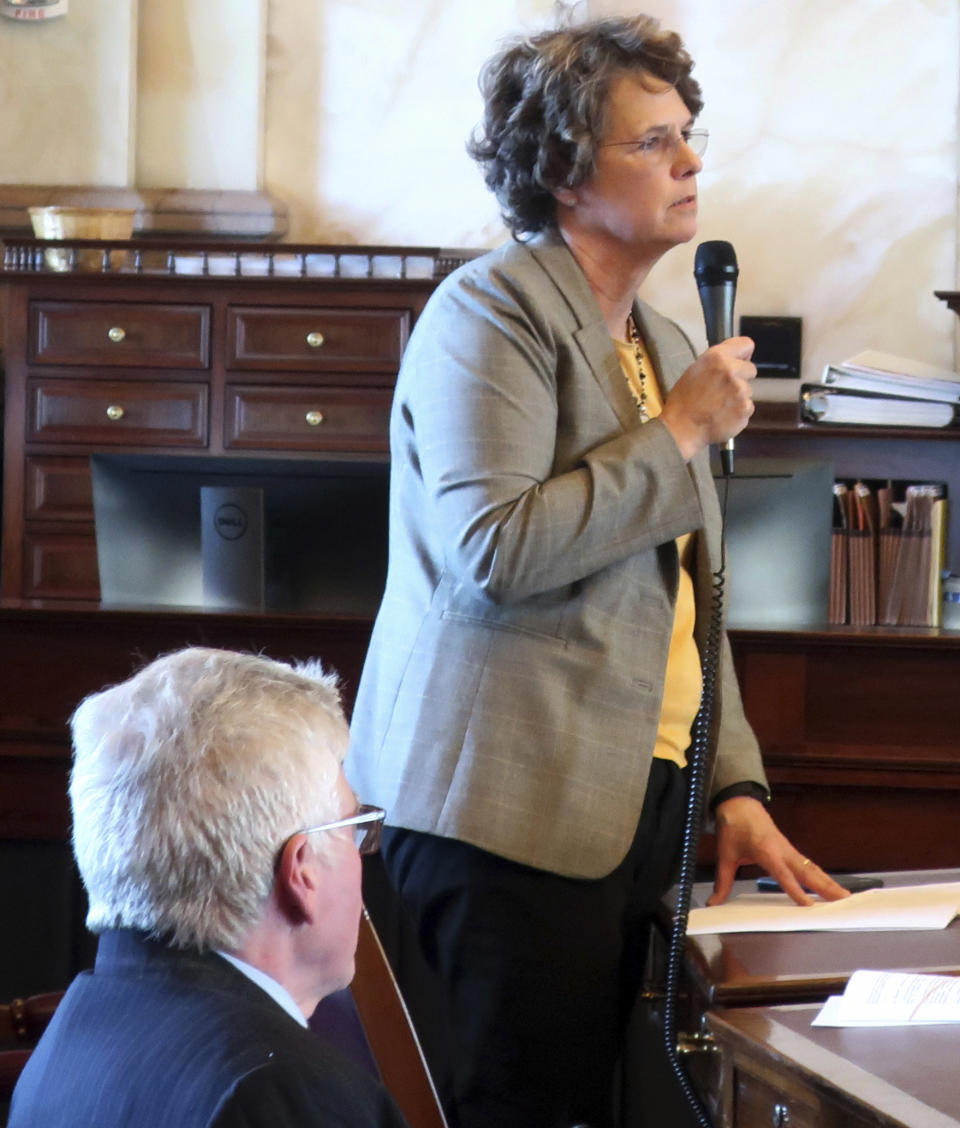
<point>776,1071</point>
<point>267,359</point>
<point>860,739</point>
<point>859,725</point>
<point>54,653</point>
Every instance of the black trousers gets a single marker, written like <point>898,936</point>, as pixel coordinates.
<point>527,978</point>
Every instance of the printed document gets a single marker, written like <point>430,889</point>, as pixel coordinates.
<point>893,998</point>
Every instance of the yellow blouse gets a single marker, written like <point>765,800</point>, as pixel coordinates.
<point>681,692</point>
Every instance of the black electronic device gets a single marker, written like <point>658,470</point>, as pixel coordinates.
<point>776,526</point>
<point>852,882</point>
<point>777,342</point>
<point>324,532</point>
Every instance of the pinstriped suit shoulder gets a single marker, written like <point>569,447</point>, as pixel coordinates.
<point>511,692</point>
<point>156,1037</point>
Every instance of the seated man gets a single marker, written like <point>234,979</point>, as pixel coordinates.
<point>217,839</point>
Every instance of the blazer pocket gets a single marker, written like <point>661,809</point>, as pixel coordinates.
<point>500,625</point>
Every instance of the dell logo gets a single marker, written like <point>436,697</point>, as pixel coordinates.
<point>230,521</point>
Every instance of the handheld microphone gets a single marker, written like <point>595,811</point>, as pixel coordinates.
<point>715,269</point>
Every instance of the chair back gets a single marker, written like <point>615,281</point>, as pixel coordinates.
<point>391,1035</point>
<point>24,1020</point>
<point>21,1024</point>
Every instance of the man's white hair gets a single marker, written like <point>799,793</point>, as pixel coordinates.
<point>188,779</point>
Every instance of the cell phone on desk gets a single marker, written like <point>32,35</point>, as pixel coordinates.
<point>853,882</point>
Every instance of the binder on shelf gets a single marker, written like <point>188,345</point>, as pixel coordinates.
<point>826,405</point>
<point>885,374</point>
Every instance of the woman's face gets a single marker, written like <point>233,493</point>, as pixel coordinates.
<point>642,196</point>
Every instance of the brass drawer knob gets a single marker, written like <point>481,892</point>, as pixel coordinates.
<point>116,334</point>
<point>314,340</point>
<point>115,412</point>
<point>314,418</point>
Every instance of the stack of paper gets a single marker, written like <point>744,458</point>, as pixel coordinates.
<point>882,390</point>
<point>894,908</point>
<point>893,998</point>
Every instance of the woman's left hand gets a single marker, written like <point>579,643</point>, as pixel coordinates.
<point>747,834</point>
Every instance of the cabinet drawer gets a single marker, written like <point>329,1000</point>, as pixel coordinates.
<point>317,338</point>
<point>60,565</point>
<point>761,1102</point>
<point>269,418</point>
<point>122,334</point>
<point>128,414</point>
<point>58,489</point>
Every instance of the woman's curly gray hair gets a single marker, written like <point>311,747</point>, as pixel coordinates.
<point>545,106</point>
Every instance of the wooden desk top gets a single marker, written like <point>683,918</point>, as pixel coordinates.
<point>882,1075</point>
<point>755,968</point>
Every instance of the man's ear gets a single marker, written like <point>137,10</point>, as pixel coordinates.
<point>295,882</point>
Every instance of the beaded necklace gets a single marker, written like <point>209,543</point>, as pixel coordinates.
<point>641,399</point>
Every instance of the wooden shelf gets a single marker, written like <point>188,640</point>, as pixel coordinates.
<point>784,419</point>
<point>829,634</point>
<point>905,454</point>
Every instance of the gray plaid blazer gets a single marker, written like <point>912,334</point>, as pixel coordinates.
<point>511,692</point>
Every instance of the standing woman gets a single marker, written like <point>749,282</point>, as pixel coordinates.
<point>534,670</point>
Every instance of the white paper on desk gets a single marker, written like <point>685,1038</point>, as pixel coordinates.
<point>893,998</point>
<point>899,907</point>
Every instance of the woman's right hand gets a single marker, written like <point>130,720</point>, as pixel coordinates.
<point>712,400</point>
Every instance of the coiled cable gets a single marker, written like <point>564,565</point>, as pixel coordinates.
<point>701,765</point>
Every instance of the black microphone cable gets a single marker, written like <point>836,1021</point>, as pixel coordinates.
<point>701,765</point>
<point>716,272</point>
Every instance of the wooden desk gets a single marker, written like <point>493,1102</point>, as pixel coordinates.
<point>724,973</point>
<point>763,968</point>
<point>777,1070</point>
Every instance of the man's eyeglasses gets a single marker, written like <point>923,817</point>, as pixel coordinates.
<point>367,824</point>
<point>662,144</point>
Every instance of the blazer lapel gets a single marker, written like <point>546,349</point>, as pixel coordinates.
<point>591,335</point>
<point>600,356</point>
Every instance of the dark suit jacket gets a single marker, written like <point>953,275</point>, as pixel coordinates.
<point>512,688</point>
<point>159,1037</point>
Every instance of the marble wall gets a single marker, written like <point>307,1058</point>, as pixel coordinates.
<point>832,164</point>
<point>67,88</point>
<point>199,108</point>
